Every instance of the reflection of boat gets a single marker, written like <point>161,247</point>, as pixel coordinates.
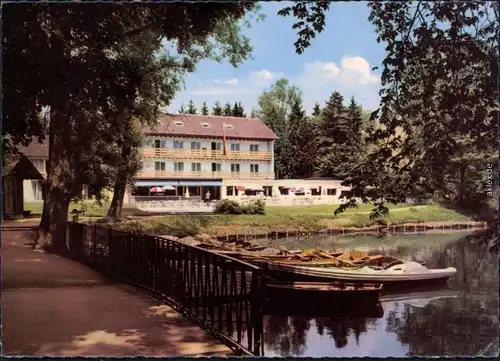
<point>419,299</point>
<point>321,296</point>
<point>271,307</point>
<point>401,275</point>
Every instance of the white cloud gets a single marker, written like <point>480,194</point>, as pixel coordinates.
<point>232,81</point>
<point>263,78</point>
<point>352,76</point>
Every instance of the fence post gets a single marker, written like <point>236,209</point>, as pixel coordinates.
<point>110,251</point>
<point>94,243</point>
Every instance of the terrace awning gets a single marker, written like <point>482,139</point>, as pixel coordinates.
<point>193,183</point>
<point>156,183</point>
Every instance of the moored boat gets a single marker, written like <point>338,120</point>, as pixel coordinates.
<point>403,275</point>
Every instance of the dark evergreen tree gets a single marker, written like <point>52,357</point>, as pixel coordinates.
<point>238,110</point>
<point>228,111</point>
<point>303,143</point>
<point>316,110</point>
<point>335,134</point>
<point>217,109</point>
<point>191,108</point>
<point>204,109</point>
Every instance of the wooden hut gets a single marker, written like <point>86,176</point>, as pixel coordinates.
<point>14,171</point>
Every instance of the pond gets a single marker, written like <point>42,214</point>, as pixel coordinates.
<point>462,321</point>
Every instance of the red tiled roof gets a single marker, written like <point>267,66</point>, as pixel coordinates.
<point>238,128</point>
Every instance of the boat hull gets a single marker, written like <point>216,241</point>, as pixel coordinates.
<point>289,274</point>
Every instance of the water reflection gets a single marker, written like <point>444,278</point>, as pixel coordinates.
<point>462,321</point>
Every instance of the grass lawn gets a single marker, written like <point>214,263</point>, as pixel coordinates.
<point>91,208</point>
<point>287,219</point>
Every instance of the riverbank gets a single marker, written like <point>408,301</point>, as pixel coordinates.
<point>292,220</point>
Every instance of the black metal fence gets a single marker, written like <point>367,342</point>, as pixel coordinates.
<point>219,293</point>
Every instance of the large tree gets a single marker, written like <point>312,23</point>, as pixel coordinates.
<point>64,58</point>
<point>439,91</point>
<point>275,108</point>
<point>303,139</point>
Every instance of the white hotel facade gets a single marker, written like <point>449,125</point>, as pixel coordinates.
<point>189,155</point>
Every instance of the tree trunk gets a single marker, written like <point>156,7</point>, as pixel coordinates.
<point>115,209</point>
<point>52,231</point>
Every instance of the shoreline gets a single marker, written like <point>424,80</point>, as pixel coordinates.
<point>409,228</point>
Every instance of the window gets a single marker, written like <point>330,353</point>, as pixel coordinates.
<point>254,147</point>
<point>195,167</point>
<point>235,168</point>
<point>160,143</point>
<point>331,191</point>
<point>230,190</point>
<point>179,123</point>
<point>195,145</point>
<point>205,125</point>
<point>178,144</point>
<point>179,166</point>
<point>216,167</point>
<point>254,168</point>
<point>160,166</point>
<point>268,191</point>
<point>216,146</point>
<point>229,126</point>
<point>235,147</point>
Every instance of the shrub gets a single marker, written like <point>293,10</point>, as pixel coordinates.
<point>255,207</point>
<point>227,206</point>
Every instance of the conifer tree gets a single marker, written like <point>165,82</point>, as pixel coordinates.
<point>217,109</point>
<point>228,111</point>
<point>204,109</point>
<point>182,110</point>
<point>191,108</point>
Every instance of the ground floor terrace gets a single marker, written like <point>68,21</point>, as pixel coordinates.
<point>201,194</point>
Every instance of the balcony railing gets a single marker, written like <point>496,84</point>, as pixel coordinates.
<point>172,153</point>
<point>206,175</point>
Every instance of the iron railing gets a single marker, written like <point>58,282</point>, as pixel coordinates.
<point>219,293</point>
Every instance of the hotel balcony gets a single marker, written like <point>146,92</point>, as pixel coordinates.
<point>204,175</point>
<point>172,153</point>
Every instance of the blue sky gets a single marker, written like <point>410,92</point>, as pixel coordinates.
<point>340,58</point>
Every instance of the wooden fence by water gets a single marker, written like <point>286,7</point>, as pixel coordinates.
<point>219,293</point>
<point>402,229</point>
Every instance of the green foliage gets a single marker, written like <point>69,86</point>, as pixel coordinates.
<point>436,125</point>
<point>316,110</point>
<point>191,108</point>
<point>228,111</point>
<point>204,109</point>
<point>217,109</point>
<point>303,140</point>
<point>275,109</point>
<point>238,110</point>
<point>227,206</point>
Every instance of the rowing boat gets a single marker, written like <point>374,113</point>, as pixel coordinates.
<point>408,274</point>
